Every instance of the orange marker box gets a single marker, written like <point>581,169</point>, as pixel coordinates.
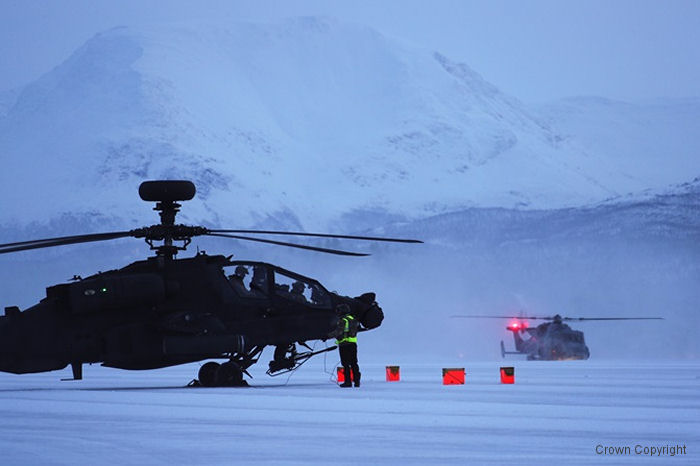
<point>453,376</point>
<point>507,374</point>
<point>392,374</point>
<point>341,375</point>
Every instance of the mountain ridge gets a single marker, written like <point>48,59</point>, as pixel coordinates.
<point>306,123</point>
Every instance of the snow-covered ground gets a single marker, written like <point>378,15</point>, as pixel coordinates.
<point>318,124</point>
<point>555,413</point>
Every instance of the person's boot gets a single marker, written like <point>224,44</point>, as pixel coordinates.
<point>347,382</point>
<point>357,378</point>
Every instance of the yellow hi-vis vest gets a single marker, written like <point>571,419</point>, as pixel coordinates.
<point>349,334</point>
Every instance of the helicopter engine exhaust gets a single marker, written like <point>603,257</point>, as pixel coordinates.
<point>107,293</point>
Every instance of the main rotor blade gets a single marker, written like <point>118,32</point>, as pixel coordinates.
<point>461,316</point>
<point>611,318</point>
<point>292,245</point>
<point>61,241</point>
<point>319,235</point>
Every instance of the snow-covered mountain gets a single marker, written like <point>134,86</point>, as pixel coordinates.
<point>650,143</point>
<point>583,207</point>
<point>308,123</point>
<point>672,216</point>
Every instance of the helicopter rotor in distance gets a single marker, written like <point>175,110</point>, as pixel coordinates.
<point>556,317</point>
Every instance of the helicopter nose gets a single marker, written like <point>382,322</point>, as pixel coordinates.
<point>373,316</point>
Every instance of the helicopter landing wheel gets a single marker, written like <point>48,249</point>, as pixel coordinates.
<point>230,375</point>
<point>207,374</point>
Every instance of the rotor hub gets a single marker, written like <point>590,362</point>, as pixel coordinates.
<point>165,193</point>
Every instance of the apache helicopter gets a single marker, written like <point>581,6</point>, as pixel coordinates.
<point>164,311</point>
<point>549,341</point>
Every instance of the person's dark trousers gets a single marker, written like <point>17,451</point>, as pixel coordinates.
<point>347,382</point>
<point>348,359</point>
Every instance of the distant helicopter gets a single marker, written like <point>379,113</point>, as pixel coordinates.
<point>549,341</point>
<point>164,311</point>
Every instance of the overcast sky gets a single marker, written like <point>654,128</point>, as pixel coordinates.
<point>535,50</point>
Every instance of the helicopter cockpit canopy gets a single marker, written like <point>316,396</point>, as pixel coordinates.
<point>263,281</point>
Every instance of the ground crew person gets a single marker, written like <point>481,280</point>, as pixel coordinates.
<point>347,346</point>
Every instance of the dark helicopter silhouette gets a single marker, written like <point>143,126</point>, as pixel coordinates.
<point>164,311</point>
<point>551,341</point>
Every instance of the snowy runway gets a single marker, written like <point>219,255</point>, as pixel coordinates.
<point>555,412</point>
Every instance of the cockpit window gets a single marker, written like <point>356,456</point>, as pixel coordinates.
<point>300,290</point>
<point>248,281</point>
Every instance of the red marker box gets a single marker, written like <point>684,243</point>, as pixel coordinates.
<point>507,374</point>
<point>341,375</point>
<point>392,374</point>
<point>453,376</point>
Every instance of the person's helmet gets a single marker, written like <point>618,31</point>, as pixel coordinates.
<point>343,309</point>
<point>241,271</point>
<point>298,287</point>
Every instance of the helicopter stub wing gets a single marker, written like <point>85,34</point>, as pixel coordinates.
<point>292,364</point>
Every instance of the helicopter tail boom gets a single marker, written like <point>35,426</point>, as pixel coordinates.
<point>504,352</point>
